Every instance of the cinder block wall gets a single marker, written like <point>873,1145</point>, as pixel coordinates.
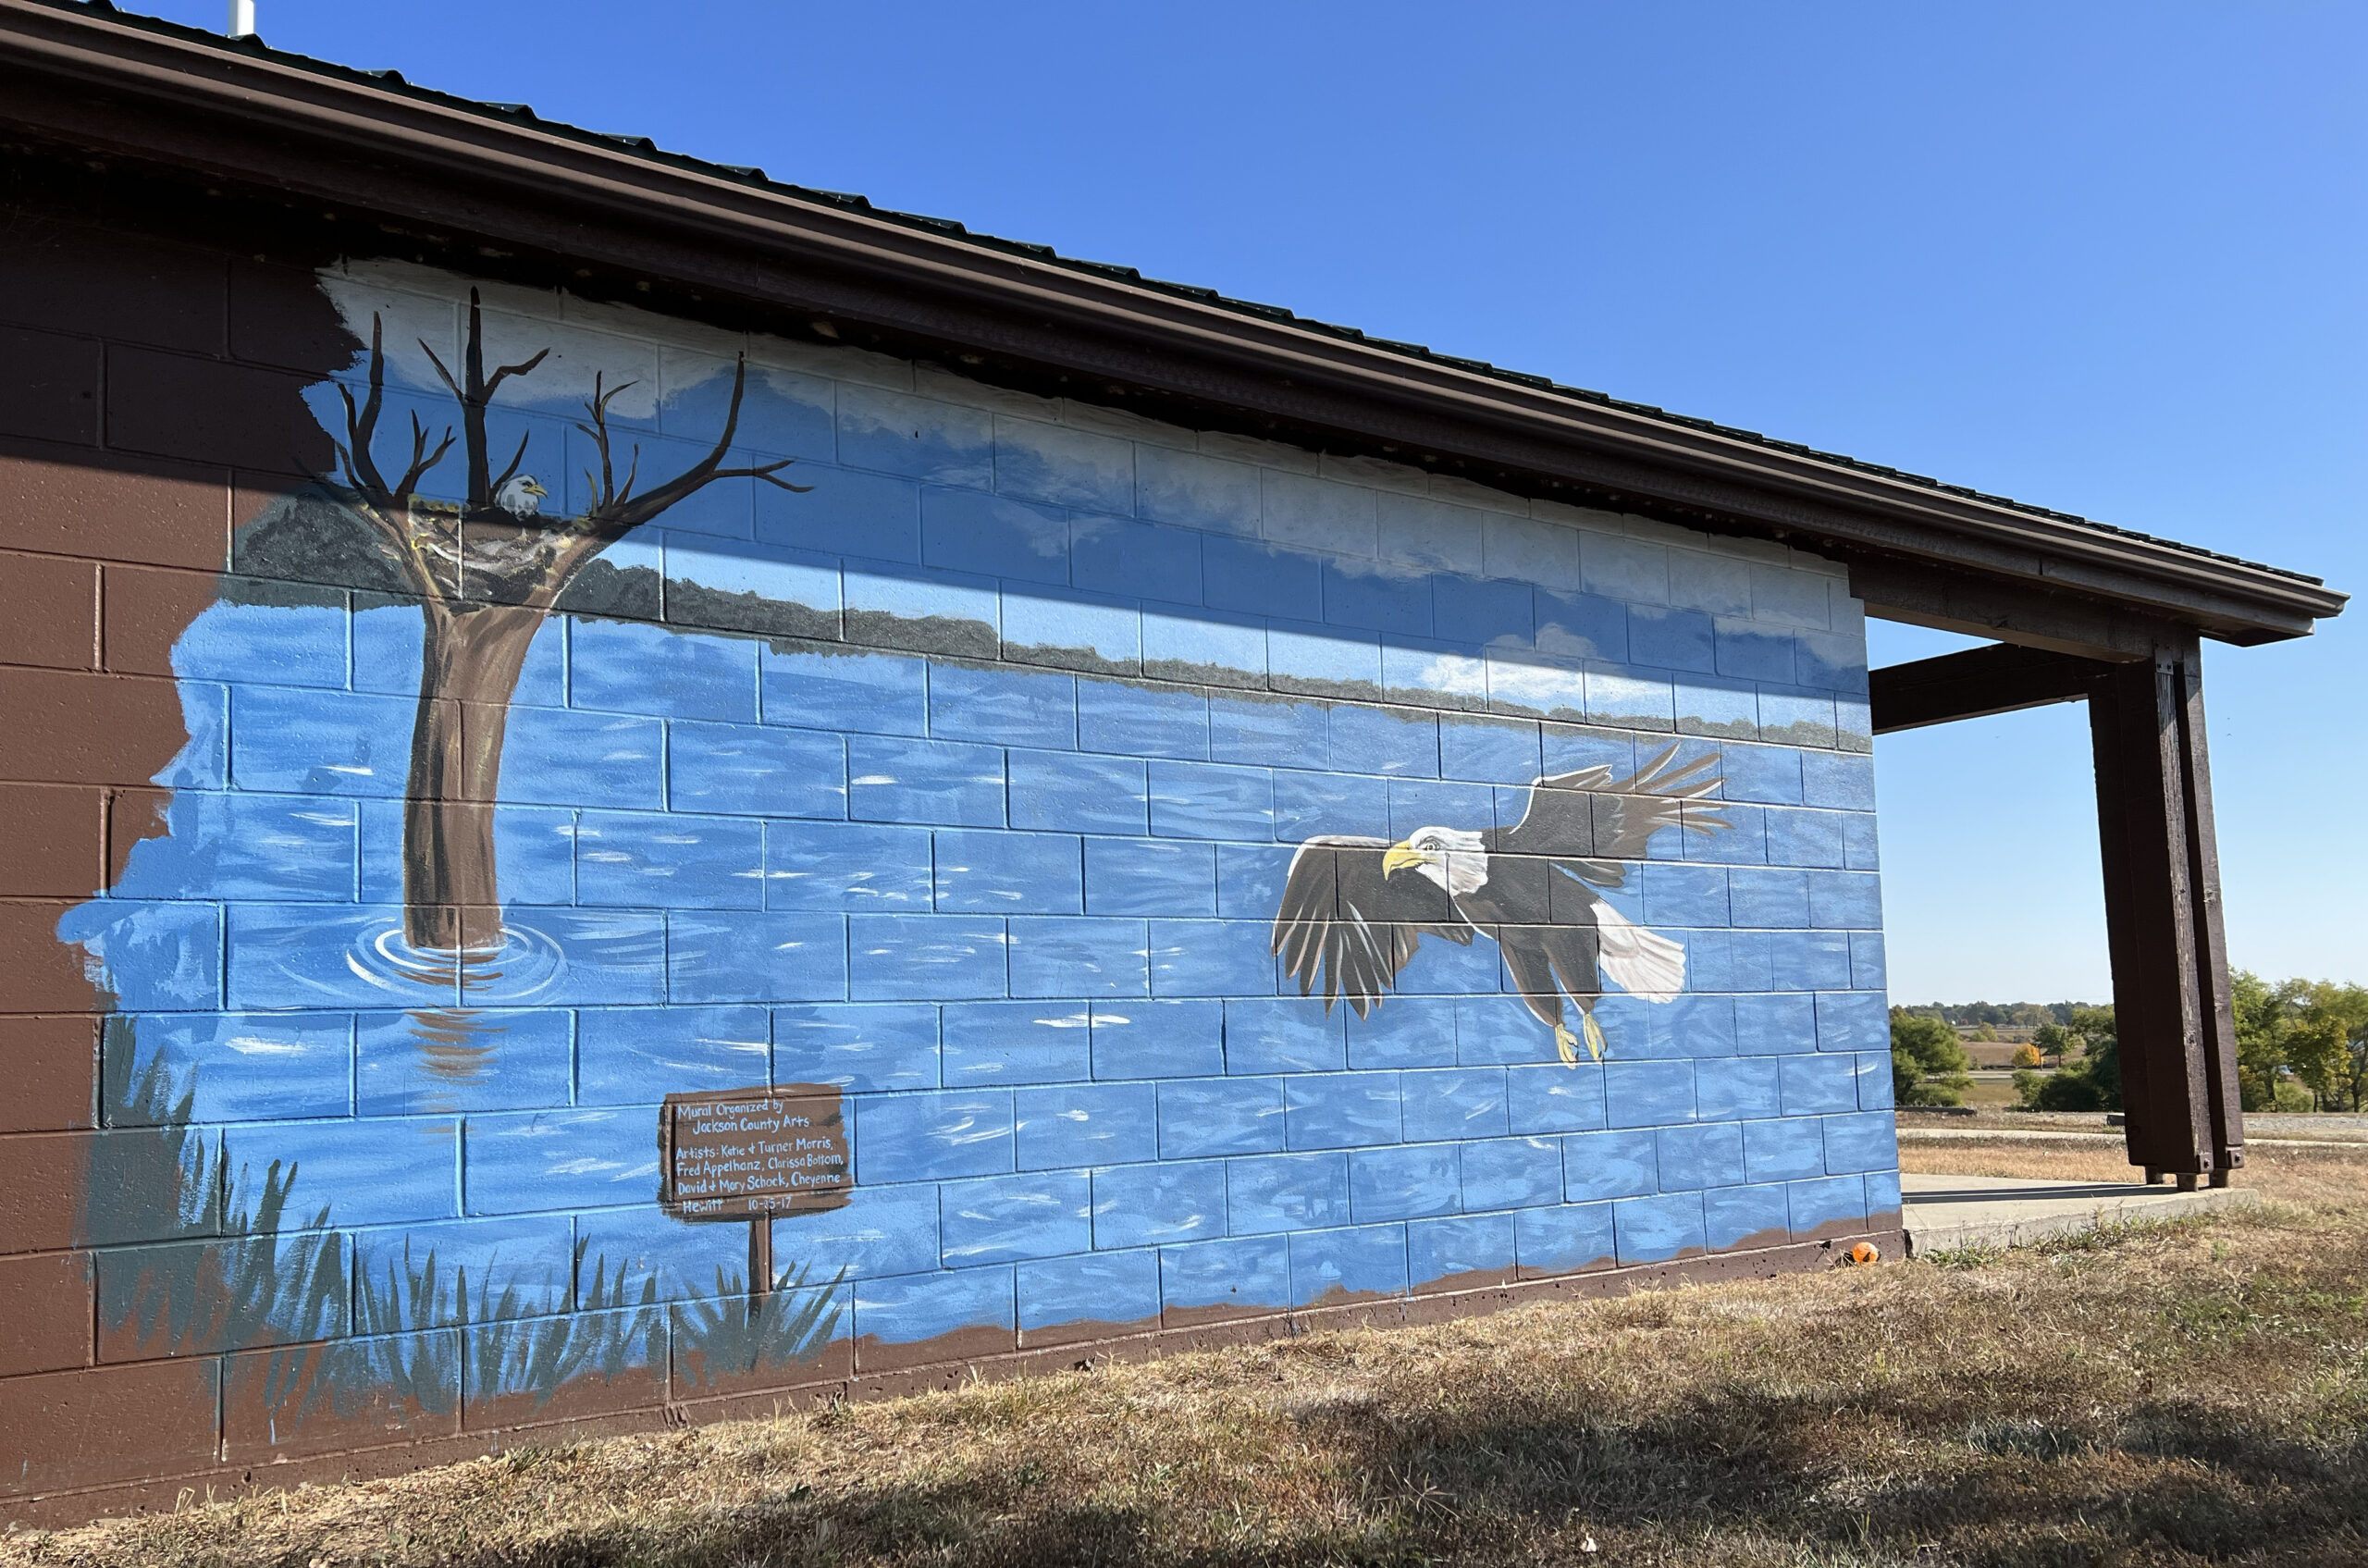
<point>966,780</point>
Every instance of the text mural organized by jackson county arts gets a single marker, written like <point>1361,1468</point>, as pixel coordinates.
<point>707,857</point>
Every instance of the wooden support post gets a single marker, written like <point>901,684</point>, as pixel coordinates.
<point>760,1263</point>
<point>2162,874</point>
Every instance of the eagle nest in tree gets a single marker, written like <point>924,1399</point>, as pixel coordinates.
<point>1355,909</point>
<point>521,495</point>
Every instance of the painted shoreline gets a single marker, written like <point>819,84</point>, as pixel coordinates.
<point>384,1442</point>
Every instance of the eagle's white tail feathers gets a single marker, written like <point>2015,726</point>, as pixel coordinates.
<point>1640,962</point>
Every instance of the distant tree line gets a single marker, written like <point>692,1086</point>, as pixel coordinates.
<point>2301,1045</point>
<point>1997,1015</point>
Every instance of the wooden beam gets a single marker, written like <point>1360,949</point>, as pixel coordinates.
<point>1976,684</point>
<point>2035,613</point>
<point>2162,877</point>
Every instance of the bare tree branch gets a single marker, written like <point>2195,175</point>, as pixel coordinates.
<point>480,393</point>
<point>361,427</point>
<point>473,391</point>
<point>386,507</point>
<point>628,511</point>
<point>611,510</point>
<point>420,464</point>
<point>613,513</point>
<point>481,385</point>
<point>439,364</point>
<point>516,458</point>
<point>507,371</point>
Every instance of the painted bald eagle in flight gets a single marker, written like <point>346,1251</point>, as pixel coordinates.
<point>1355,909</point>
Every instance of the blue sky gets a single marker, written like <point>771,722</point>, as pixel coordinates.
<point>2106,258</point>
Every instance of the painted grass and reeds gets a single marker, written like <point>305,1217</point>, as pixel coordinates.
<point>2189,1394</point>
<point>265,1272</point>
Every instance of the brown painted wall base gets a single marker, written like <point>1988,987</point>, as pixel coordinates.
<point>837,1382</point>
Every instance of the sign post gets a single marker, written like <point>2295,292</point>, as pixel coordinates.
<point>753,1154</point>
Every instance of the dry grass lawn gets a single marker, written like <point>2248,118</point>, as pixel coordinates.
<point>2187,1394</point>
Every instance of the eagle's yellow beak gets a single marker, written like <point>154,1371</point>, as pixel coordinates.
<point>1400,856</point>
<point>533,487</point>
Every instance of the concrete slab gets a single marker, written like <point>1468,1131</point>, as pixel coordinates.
<point>1945,1212</point>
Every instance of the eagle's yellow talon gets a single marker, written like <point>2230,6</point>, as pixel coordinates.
<point>1568,1045</point>
<point>1595,1036</point>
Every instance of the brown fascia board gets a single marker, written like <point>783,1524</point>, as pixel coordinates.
<point>241,117</point>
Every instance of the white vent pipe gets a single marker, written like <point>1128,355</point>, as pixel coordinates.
<point>242,18</point>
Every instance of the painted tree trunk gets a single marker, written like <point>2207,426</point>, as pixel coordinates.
<point>472,656</point>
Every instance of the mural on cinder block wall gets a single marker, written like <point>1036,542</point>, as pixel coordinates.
<point>625,938</point>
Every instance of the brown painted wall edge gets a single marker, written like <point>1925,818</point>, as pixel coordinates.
<point>68,1507</point>
<point>248,119</point>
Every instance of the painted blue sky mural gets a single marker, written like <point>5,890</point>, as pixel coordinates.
<point>963,785</point>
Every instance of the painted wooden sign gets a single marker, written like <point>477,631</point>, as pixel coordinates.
<point>746,1154</point>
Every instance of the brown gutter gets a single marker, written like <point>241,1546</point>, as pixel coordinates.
<point>244,116</point>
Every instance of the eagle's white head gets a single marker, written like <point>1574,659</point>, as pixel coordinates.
<point>1452,858</point>
<point>521,497</point>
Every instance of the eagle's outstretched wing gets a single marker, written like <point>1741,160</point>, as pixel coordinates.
<point>1630,812</point>
<point>1343,917</point>
<point>1589,822</point>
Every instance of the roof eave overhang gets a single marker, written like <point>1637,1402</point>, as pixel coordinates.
<point>248,119</point>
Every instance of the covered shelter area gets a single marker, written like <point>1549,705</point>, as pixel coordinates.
<point>2136,658</point>
<point>640,791</point>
